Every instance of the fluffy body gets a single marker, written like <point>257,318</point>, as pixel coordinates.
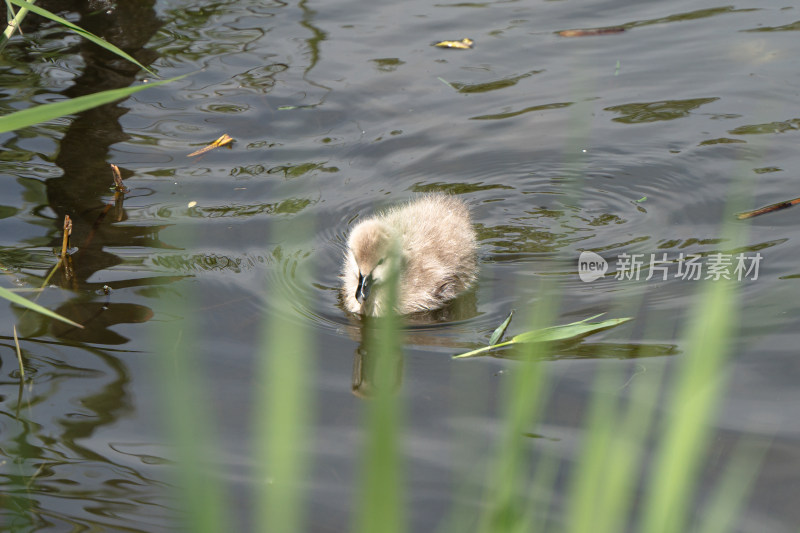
<point>431,243</point>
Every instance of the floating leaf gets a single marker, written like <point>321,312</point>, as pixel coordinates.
<point>568,331</point>
<point>554,333</point>
<point>222,141</point>
<point>463,44</point>
<point>642,199</point>
<point>501,329</point>
<point>24,302</point>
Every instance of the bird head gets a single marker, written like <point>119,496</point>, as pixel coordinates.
<point>370,266</point>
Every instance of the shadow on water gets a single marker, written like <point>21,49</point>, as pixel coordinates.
<point>48,457</point>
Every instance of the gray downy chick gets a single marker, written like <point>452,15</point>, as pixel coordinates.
<point>430,242</point>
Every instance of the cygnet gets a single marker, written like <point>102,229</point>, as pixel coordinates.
<point>431,244</point>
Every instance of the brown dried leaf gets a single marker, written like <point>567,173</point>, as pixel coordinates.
<point>222,141</point>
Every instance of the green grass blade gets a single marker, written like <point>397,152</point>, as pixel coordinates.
<point>380,506</point>
<point>43,113</point>
<point>80,31</point>
<point>285,419</point>
<point>567,331</point>
<point>623,463</point>
<point>588,477</point>
<point>285,404</point>
<point>735,485</point>
<point>24,302</point>
<point>524,401</point>
<point>480,351</point>
<point>14,20</point>
<point>687,431</point>
<point>501,329</point>
<point>182,382</point>
<point>542,495</point>
<point>186,410</point>
<point>554,333</point>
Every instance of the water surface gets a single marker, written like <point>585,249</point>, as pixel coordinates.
<point>621,143</point>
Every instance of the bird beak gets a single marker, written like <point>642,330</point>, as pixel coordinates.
<point>362,291</point>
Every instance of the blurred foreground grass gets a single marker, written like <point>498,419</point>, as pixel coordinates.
<point>638,466</point>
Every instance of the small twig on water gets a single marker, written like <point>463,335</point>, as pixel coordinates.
<point>590,32</point>
<point>118,185</point>
<point>768,209</point>
<point>119,193</point>
<point>65,240</point>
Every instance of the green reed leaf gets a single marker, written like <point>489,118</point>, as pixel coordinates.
<point>80,31</point>
<point>43,113</point>
<point>568,331</point>
<point>24,302</point>
<point>501,329</point>
<point>13,22</point>
<point>554,333</point>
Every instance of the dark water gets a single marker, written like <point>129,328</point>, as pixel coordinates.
<point>620,143</point>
